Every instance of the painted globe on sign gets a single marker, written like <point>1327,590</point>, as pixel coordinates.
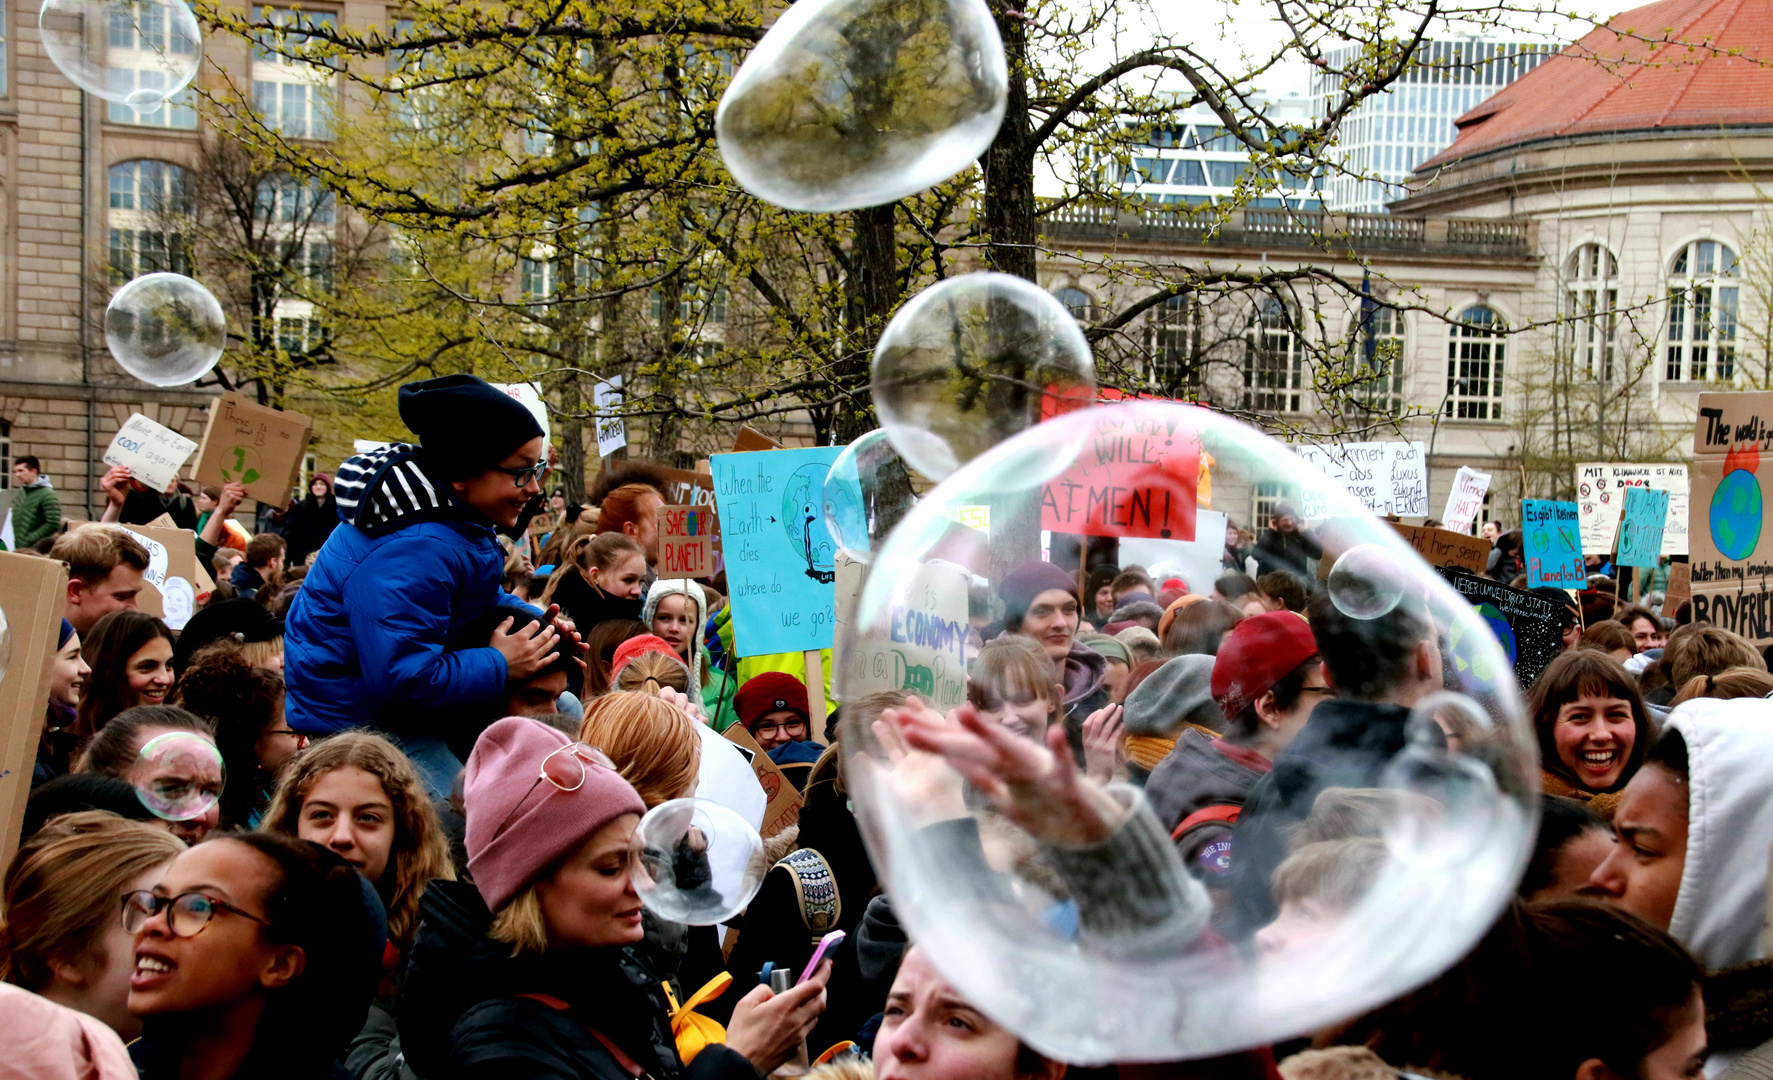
<point>1736,514</point>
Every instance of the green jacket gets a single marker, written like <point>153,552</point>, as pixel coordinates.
<point>36,513</point>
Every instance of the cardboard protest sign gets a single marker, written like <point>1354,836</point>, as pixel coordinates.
<point>173,581</point>
<point>33,592</point>
<point>1444,547</point>
<point>687,537</point>
<point>247,443</point>
<point>780,560</point>
<point>1529,627</point>
<point>530,395</point>
<point>783,808</point>
<point>1466,500</point>
<point>612,431</point>
<point>1600,495</point>
<point>1641,527</point>
<point>920,649</point>
<point>681,487</point>
<point>1136,476</point>
<point>1680,586</point>
<point>1732,556</point>
<point>153,453</point>
<point>1384,477</point>
<point>1549,535</point>
<point>1197,562</point>
<point>750,440</point>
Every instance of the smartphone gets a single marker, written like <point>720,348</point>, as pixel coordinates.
<point>826,944</point>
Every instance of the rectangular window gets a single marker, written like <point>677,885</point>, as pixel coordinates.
<point>1474,377</point>
<point>4,49</point>
<point>535,278</point>
<point>291,96</point>
<point>294,109</point>
<point>137,39</point>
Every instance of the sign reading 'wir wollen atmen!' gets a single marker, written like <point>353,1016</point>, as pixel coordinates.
<point>1136,475</point>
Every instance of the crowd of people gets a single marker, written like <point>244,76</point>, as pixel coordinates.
<point>372,811</point>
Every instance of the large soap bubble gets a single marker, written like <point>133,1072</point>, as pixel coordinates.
<point>178,776</point>
<point>853,103</point>
<point>1060,905</point>
<point>697,861</point>
<point>1366,582</point>
<point>165,329</point>
<point>972,360</point>
<point>134,52</point>
<point>867,492</point>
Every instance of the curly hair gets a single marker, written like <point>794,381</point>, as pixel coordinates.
<point>421,850</point>
<point>220,684</point>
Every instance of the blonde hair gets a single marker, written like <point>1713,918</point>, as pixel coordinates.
<point>1334,873</point>
<point>653,667</point>
<point>593,551</point>
<point>520,924</point>
<point>421,851</point>
<point>1736,682</point>
<point>654,746</point>
<point>64,889</point>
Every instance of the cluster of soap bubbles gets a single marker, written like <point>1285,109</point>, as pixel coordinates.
<point>1131,953</point>
<point>165,329</point>
<point>696,861</point>
<point>178,776</point>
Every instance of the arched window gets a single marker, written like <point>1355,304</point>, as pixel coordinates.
<point>1081,305</point>
<point>151,206</point>
<point>1173,345</point>
<point>1702,296</point>
<point>1591,296</point>
<point>1378,360</point>
<point>1274,359</point>
<point>1475,351</point>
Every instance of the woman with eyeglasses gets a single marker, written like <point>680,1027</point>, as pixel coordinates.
<point>530,971</point>
<point>415,561</point>
<point>59,933</point>
<point>246,705</point>
<point>256,957</point>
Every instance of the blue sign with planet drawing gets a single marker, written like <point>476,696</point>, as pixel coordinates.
<point>780,559</point>
<point>1553,540</point>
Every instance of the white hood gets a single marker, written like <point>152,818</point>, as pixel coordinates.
<point>1722,904</point>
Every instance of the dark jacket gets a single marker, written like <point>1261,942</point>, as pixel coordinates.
<point>1199,773</point>
<point>141,507</point>
<point>1277,550</point>
<point>461,1016</point>
<point>587,605</point>
<point>1082,672</point>
<point>1344,744</point>
<point>308,525</point>
<point>246,580</point>
<point>365,639</point>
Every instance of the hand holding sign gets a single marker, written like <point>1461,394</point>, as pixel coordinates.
<point>153,453</point>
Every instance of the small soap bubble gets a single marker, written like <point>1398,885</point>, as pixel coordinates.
<point>697,862</point>
<point>853,103</point>
<point>165,329</point>
<point>867,491</point>
<point>178,776</point>
<point>138,53</point>
<point>972,360</point>
<point>1367,582</point>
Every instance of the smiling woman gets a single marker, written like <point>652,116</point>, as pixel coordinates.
<point>1593,727</point>
<point>130,654</point>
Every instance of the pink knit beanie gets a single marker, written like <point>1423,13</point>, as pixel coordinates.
<point>519,824</point>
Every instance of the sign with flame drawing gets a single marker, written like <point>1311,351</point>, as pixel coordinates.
<point>1732,519</point>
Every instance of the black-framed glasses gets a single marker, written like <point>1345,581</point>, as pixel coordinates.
<point>524,477</point>
<point>565,769</point>
<point>186,914</point>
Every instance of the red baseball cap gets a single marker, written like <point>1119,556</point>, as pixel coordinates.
<point>1259,652</point>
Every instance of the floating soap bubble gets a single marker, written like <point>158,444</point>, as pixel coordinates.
<point>853,103</point>
<point>867,492</point>
<point>178,776</point>
<point>134,52</point>
<point>972,360</point>
<point>697,861</point>
<point>1088,932</point>
<point>165,329</point>
<point>1366,582</point>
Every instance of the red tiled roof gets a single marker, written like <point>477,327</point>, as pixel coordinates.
<point>1664,65</point>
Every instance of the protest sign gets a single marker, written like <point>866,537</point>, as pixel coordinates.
<point>1197,562</point>
<point>32,594</point>
<point>1136,476</point>
<point>681,487</point>
<point>750,440</point>
<point>1529,628</point>
<point>1680,586</point>
<point>1444,547</point>
<point>612,431</point>
<point>1466,500</point>
<point>783,808</point>
<point>920,649</point>
<point>6,536</point>
<point>247,443</point>
<point>1600,494</point>
<point>172,583</point>
<point>529,394</point>
<point>780,560</point>
<point>1729,568</point>
<point>153,453</point>
<point>686,541</point>
<point>1385,477</point>
<point>1549,535</point>
<point>1641,527</point>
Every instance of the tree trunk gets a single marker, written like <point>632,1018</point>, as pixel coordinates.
<point>1009,163</point>
<point>873,287</point>
<point>572,434</point>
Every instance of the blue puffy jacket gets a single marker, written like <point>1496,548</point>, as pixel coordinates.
<point>408,570</point>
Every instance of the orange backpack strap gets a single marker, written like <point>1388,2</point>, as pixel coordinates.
<point>1225,812</point>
